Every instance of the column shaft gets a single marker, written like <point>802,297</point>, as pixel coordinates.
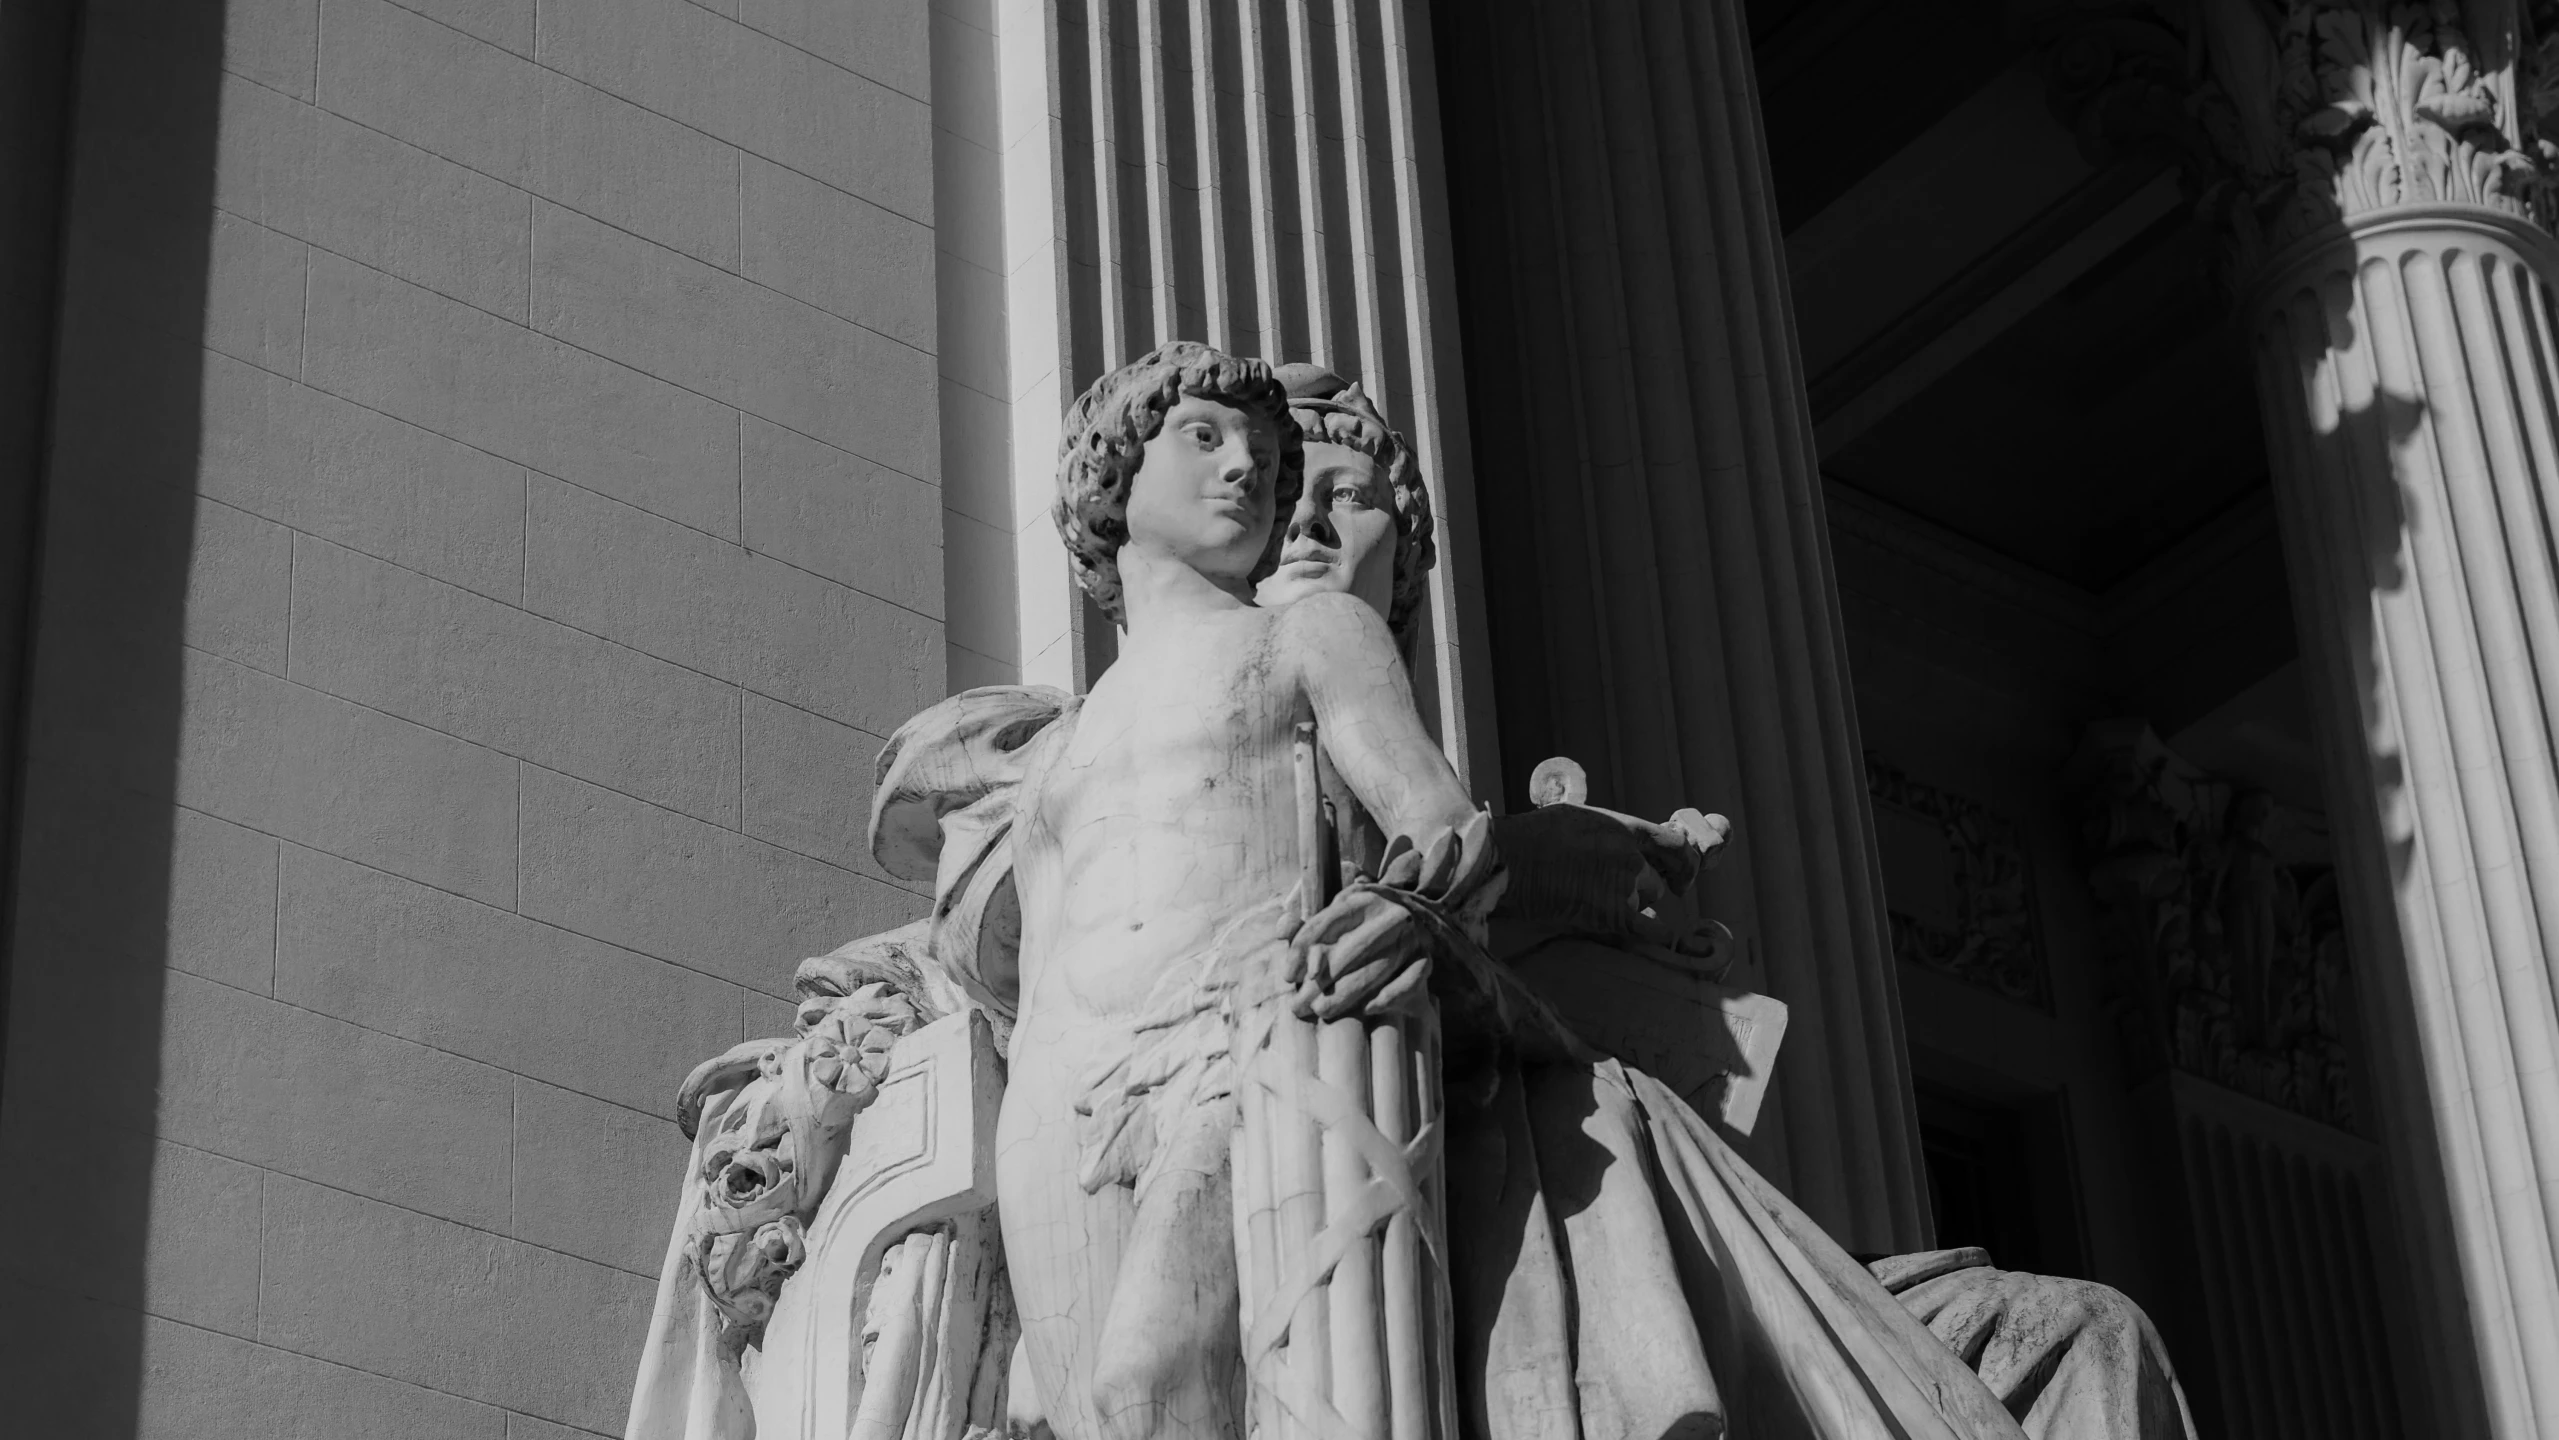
<point>1658,567</point>
<point>2406,367</point>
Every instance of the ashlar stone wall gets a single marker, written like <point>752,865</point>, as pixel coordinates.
<point>494,515</point>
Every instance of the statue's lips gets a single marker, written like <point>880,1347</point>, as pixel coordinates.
<point>1305,567</point>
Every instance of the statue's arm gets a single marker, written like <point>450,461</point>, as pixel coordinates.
<point>1439,874</point>
<point>1346,662</point>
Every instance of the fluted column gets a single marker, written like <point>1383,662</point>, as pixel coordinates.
<point>2403,323</point>
<point>2406,368</point>
<point>1262,175</point>
<point>1658,575</point>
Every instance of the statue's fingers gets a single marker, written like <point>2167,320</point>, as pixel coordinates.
<point>1315,983</point>
<point>1327,925</point>
<point>1351,994</point>
<point>1406,981</point>
<point>1359,974</point>
<point>1375,929</point>
<point>1380,984</point>
<point>1305,964</point>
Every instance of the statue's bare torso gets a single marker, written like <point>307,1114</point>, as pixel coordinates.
<point>1167,809</point>
<point>1164,814</point>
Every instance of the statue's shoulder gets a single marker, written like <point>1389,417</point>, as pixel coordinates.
<point>951,756</point>
<point>1329,614</point>
<point>1321,633</point>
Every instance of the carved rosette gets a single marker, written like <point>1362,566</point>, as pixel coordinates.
<point>2290,116</point>
<point>2223,941</point>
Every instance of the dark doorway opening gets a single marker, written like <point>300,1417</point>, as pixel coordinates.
<point>2000,1177</point>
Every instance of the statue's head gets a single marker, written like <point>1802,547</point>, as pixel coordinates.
<point>1362,523</point>
<point>1187,452</point>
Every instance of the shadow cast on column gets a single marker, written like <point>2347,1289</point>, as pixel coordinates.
<point>2366,539</point>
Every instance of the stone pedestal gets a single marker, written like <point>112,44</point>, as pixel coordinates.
<point>1658,579</point>
<point>2406,369</point>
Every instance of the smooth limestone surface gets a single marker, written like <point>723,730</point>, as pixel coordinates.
<point>496,512</point>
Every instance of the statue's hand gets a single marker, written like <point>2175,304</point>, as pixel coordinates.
<point>1597,871</point>
<point>1591,867</point>
<point>1362,952</point>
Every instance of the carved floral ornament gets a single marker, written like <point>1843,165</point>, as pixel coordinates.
<point>1989,938</point>
<point>773,1117</point>
<point>2288,116</point>
<point>2220,926</point>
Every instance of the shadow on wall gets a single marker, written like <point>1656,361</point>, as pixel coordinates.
<point>91,940</point>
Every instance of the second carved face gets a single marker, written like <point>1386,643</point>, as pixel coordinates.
<point>1341,537</point>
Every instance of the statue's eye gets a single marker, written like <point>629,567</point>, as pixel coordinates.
<point>1202,435</point>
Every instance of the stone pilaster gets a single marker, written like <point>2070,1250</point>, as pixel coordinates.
<point>2388,223</point>
<point>1658,574</point>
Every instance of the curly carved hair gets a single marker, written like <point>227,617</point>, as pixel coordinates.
<point>1105,441</point>
<point>1336,411</point>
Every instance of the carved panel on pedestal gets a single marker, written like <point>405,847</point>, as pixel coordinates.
<point>1957,887</point>
<point>2224,944</point>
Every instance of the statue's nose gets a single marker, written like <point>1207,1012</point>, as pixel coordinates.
<point>1239,470</point>
<point>1311,519</point>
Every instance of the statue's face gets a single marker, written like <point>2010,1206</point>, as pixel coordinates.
<point>1342,536</point>
<point>1203,494</point>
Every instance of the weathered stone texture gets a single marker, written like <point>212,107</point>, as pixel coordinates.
<point>495,512</point>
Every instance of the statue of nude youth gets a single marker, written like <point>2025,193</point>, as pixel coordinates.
<point>1150,822</point>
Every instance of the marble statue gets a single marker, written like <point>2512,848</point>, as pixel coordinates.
<point>1293,1138</point>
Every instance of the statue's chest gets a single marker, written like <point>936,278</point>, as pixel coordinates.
<point>1224,712</point>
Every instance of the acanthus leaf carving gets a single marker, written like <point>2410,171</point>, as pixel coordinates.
<point>2289,116</point>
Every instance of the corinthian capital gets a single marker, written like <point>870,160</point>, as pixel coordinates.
<point>2291,115</point>
<point>2347,108</point>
